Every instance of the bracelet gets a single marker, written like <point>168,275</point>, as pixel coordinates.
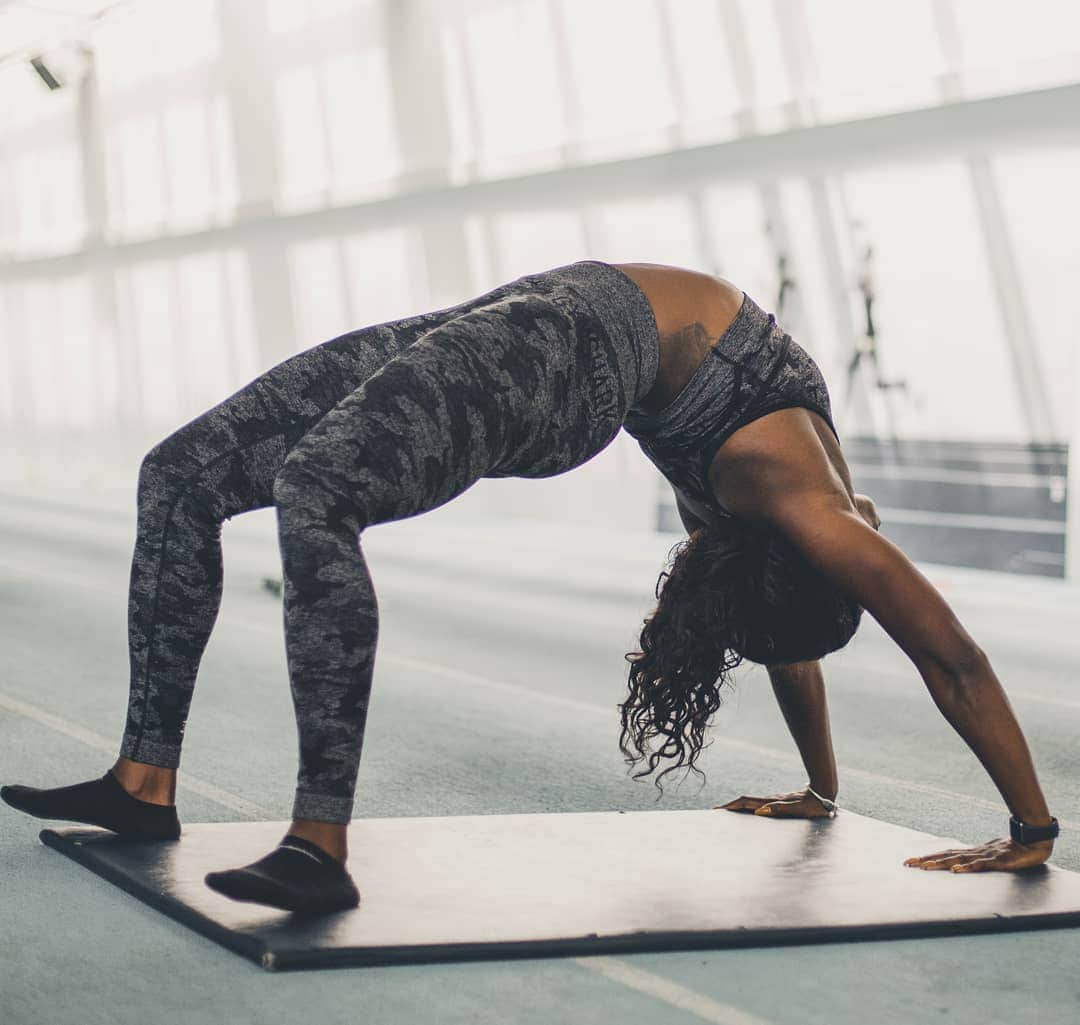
<point>830,806</point>
<point>1023,833</point>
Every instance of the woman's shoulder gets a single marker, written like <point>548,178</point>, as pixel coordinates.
<point>680,296</point>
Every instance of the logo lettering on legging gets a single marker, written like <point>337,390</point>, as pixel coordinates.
<point>605,392</point>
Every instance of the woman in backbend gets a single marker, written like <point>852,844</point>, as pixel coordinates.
<point>533,379</point>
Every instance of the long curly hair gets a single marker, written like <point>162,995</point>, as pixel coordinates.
<point>733,591</point>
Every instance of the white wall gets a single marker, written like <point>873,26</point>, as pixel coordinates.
<point>239,180</point>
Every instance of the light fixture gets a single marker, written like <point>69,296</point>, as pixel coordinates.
<point>45,74</point>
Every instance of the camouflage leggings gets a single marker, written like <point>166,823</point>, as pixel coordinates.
<point>529,380</point>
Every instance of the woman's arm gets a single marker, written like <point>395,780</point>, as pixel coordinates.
<point>800,693</point>
<point>794,489</point>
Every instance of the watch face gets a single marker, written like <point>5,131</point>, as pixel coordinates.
<point>1023,833</point>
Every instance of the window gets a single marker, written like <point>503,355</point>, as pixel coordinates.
<point>936,309</point>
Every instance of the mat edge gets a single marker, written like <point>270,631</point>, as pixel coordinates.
<point>286,959</point>
<point>271,958</point>
<point>247,947</point>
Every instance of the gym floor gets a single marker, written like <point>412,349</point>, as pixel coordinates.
<point>499,668</point>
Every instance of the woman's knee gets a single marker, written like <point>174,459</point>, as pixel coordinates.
<point>171,465</point>
<point>172,453</point>
<point>305,498</point>
<point>304,478</point>
<point>178,467</point>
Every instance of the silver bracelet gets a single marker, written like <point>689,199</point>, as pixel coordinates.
<point>830,806</point>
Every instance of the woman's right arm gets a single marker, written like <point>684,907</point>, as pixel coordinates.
<point>789,488</point>
<point>800,693</point>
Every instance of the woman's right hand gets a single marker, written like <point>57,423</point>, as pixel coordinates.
<point>868,511</point>
<point>800,804</point>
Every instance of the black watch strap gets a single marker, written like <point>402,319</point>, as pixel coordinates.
<point>1023,833</point>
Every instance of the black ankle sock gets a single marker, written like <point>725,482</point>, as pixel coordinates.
<point>297,875</point>
<point>100,802</point>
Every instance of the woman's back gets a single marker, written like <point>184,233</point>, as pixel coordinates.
<point>692,311</point>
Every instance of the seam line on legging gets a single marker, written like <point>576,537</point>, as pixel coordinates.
<point>157,583</point>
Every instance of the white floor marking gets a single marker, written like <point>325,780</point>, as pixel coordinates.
<point>519,691</point>
<point>618,971</point>
<point>971,521</point>
<point>743,745</point>
<point>989,478</point>
<point>669,992</point>
<point>111,747</point>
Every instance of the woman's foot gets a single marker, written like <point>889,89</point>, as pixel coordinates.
<point>154,784</point>
<point>298,875</point>
<point>107,802</point>
<point>332,837</point>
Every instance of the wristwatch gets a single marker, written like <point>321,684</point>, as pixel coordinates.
<point>1023,833</point>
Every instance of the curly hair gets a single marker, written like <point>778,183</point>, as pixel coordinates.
<point>733,592</point>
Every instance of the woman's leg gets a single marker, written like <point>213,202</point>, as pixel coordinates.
<point>414,435</point>
<point>220,464</point>
<point>531,385</point>
<point>419,431</point>
<point>521,387</point>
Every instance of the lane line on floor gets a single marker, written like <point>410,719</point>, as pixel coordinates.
<point>617,971</point>
<point>772,753</point>
<point>614,969</point>
<point>850,661</point>
<point>668,991</point>
<point>98,742</point>
<point>519,691</point>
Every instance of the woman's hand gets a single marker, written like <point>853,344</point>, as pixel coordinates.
<point>995,856</point>
<point>867,510</point>
<point>798,805</point>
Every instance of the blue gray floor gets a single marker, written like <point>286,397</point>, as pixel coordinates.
<point>499,669</point>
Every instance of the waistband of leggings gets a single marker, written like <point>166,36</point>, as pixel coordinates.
<point>625,311</point>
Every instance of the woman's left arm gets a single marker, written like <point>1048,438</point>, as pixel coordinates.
<point>823,524</point>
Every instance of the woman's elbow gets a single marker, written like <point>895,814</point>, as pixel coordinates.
<point>956,682</point>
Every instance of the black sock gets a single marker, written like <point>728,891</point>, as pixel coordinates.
<point>100,802</point>
<point>297,875</point>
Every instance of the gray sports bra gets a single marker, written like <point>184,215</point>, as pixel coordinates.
<point>753,369</point>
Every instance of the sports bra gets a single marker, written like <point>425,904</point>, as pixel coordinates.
<point>753,369</point>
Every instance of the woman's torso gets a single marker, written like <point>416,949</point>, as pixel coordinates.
<point>692,311</point>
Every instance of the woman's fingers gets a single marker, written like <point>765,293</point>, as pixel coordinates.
<point>794,805</point>
<point>995,856</point>
<point>753,803</point>
<point>865,505</point>
<point>942,859</point>
<point>979,864</point>
<point>785,809</point>
<point>917,861</point>
<point>742,804</point>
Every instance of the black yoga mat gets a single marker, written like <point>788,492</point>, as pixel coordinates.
<point>503,886</point>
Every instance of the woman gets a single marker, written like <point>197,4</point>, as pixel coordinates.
<point>533,379</point>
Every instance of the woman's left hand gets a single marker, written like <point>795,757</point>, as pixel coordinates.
<point>868,511</point>
<point>995,856</point>
<point>799,804</point>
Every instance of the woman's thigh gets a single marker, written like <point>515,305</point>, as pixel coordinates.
<point>232,452</point>
<point>518,387</point>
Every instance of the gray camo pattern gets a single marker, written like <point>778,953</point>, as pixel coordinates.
<point>531,379</point>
